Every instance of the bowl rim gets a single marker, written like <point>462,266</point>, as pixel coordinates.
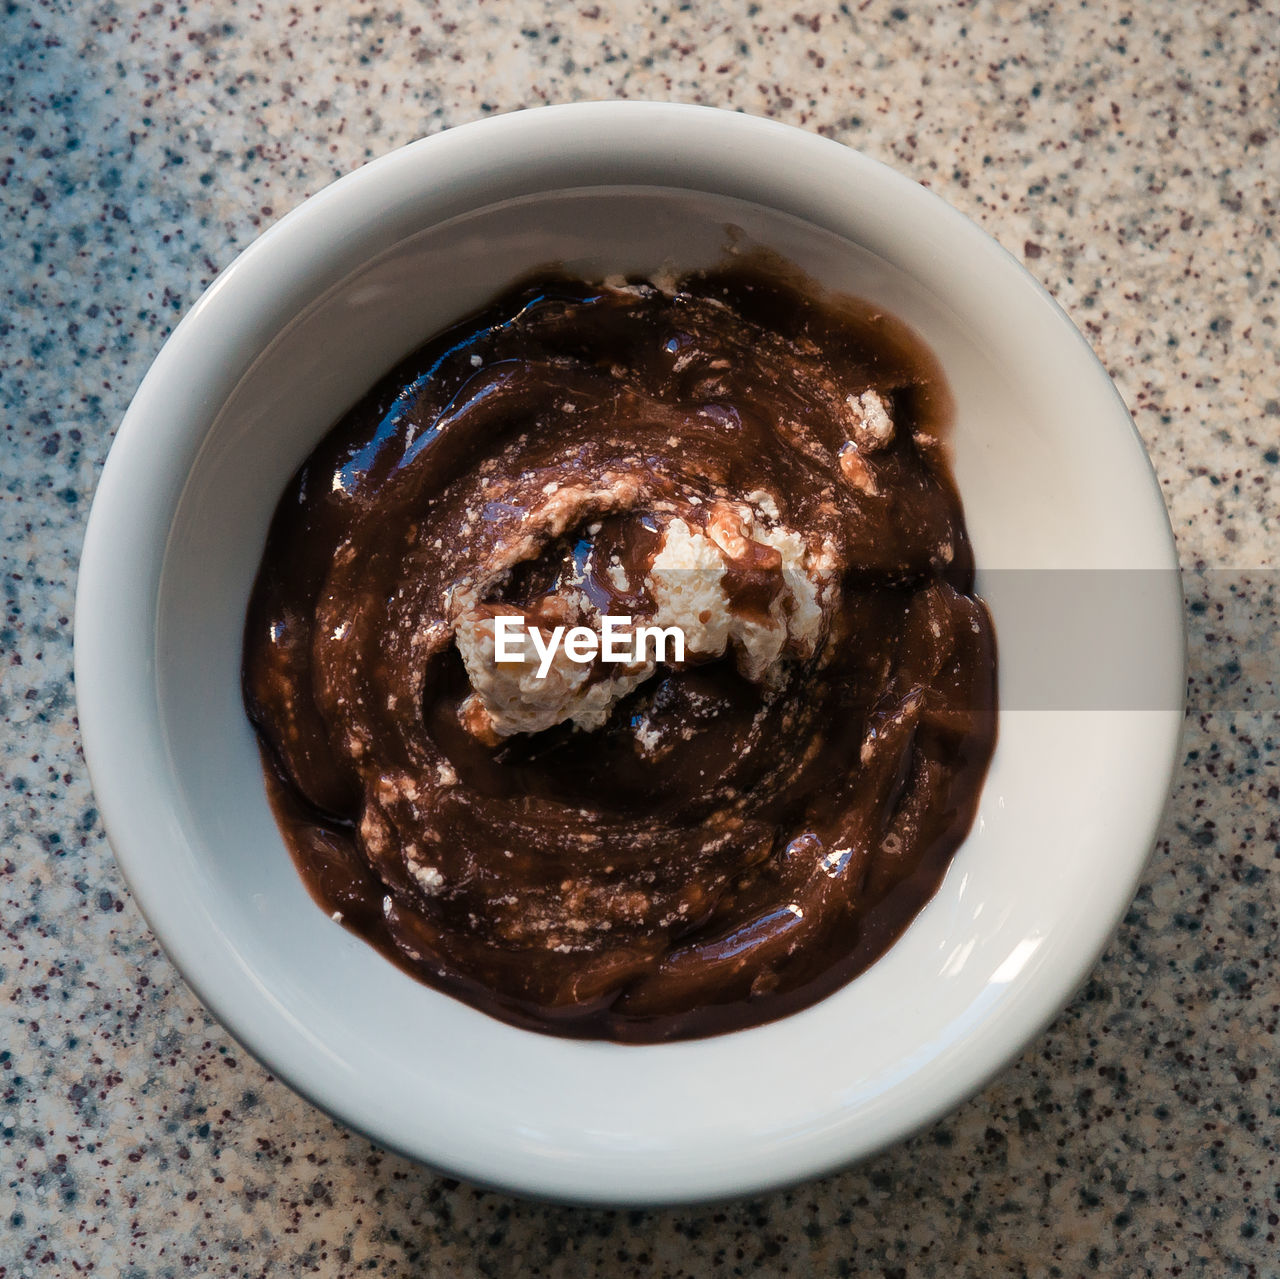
<point>121,742</point>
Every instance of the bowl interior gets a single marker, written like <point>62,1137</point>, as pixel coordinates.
<point>1051,477</point>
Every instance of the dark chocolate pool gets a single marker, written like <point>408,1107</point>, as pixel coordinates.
<point>670,849</point>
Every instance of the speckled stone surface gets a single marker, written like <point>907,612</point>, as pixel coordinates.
<point>1129,156</point>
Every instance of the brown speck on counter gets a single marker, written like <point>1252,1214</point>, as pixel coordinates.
<point>138,147</point>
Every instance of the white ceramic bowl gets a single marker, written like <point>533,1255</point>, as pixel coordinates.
<point>1052,475</point>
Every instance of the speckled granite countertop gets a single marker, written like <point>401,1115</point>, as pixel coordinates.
<point>1130,156</point>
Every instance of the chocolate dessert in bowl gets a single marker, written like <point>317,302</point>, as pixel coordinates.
<point>778,863</point>
<point>680,842</point>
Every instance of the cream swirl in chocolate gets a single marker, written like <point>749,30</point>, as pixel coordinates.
<point>657,849</point>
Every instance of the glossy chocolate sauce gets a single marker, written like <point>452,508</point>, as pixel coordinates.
<point>734,841</point>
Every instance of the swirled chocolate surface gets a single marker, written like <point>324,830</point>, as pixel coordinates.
<point>666,849</point>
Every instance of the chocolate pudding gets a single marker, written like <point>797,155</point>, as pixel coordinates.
<point>674,844</point>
